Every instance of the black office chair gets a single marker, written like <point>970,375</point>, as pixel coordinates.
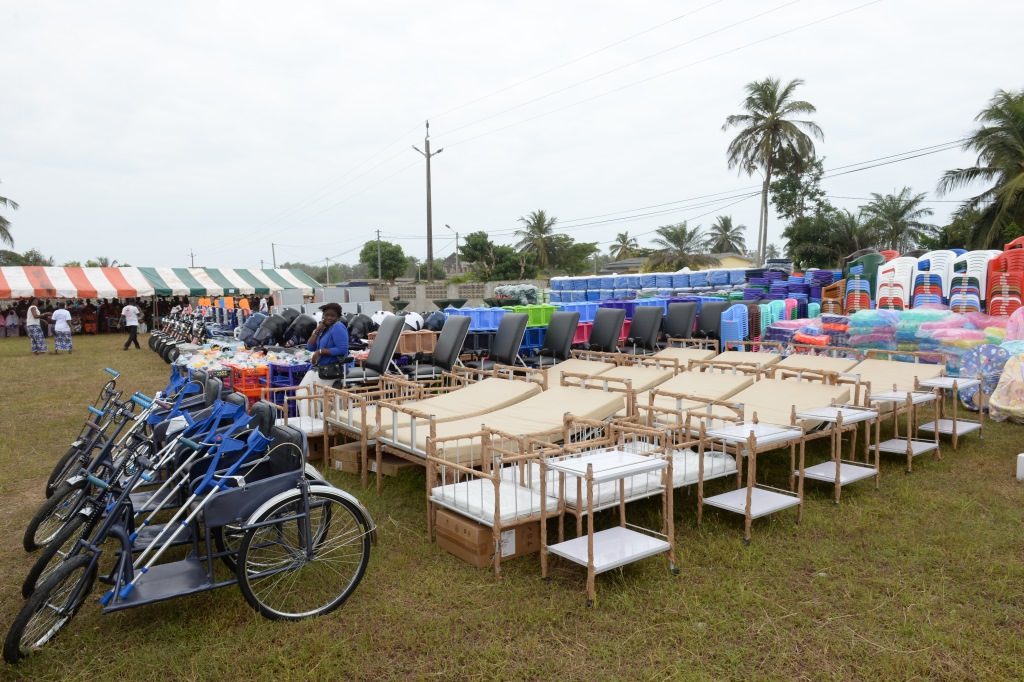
<point>381,355</point>
<point>645,328</point>
<point>679,320</point>
<point>604,335</point>
<point>557,340</point>
<point>709,321</point>
<point>507,341</point>
<point>446,351</point>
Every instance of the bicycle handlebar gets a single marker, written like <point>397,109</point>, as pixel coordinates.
<point>95,411</point>
<point>141,400</point>
<point>112,372</point>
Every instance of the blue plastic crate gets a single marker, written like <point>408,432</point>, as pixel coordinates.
<point>663,281</point>
<point>648,281</point>
<point>680,281</point>
<point>579,283</point>
<point>594,282</point>
<point>533,340</point>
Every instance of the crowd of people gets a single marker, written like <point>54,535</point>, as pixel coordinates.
<point>61,319</point>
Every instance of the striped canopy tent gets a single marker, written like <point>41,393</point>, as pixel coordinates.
<point>27,281</point>
<point>226,281</point>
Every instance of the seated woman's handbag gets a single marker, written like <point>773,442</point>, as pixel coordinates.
<point>330,372</point>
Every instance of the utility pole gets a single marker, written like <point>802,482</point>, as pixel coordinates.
<point>380,275</point>
<point>261,263</point>
<point>430,217</point>
<point>273,252</point>
<point>192,255</point>
<point>327,261</point>
<point>458,270</point>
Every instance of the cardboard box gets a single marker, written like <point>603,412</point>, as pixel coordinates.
<point>347,452</point>
<point>473,542</point>
<point>390,465</point>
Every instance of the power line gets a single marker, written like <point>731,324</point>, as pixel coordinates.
<point>575,60</point>
<point>668,72</point>
<point>653,55</point>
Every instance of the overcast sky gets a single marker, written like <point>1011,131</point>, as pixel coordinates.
<point>143,130</point>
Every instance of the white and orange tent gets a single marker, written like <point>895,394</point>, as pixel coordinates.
<point>30,281</point>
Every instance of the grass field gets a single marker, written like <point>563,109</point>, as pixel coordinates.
<point>923,578</point>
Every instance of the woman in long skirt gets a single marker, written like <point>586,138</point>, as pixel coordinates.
<point>35,332</point>
<point>61,319</point>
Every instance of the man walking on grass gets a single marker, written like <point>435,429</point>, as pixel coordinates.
<point>131,322</point>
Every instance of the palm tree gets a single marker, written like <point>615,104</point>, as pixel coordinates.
<point>999,143</point>
<point>896,219</point>
<point>678,246</point>
<point>848,233</point>
<point>5,224</point>
<point>770,139</point>
<point>724,237</point>
<point>536,236</point>
<point>771,251</point>
<point>624,246</point>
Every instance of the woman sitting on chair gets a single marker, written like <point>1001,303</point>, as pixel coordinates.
<point>329,344</point>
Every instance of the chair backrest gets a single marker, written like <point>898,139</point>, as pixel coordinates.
<point>509,338</point>
<point>450,342</point>
<point>679,321</point>
<point>212,390</point>
<point>236,399</point>
<point>561,330</point>
<point>264,415</point>
<point>383,348</point>
<point>646,326</point>
<point>604,335</point>
<point>709,320</point>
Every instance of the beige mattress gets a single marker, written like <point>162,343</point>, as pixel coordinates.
<point>474,399</point>
<point>773,399</point>
<point>884,374</point>
<point>817,363</point>
<point>743,357</point>
<point>641,378</point>
<point>575,366</point>
<point>536,415</point>
<point>710,385</point>
<point>684,355</point>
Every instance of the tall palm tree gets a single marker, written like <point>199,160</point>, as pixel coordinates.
<point>538,229</point>
<point>724,237</point>
<point>770,138</point>
<point>896,219</point>
<point>999,143</point>
<point>771,251</point>
<point>848,232</point>
<point>5,224</point>
<point>679,246</point>
<point>624,246</point>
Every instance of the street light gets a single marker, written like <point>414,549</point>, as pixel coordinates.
<point>458,269</point>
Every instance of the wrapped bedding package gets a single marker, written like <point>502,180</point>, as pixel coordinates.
<point>874,329</point>
<point>1007,401</point>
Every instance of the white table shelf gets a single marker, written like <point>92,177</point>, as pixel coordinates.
<point>916,397</point>
<point>613,548</point>
<point>762,502</point>
<point>946,383</point>
<point>848,472</point>
<point>764,434</point>
<point>831,414</point>
<point>946,427</point>
<point>608,465</point>
<point>898,446</point>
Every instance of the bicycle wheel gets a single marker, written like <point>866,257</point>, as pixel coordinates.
<point>52,605</point>
<point>54,554</point>
<point>275,574</point>
<point>52,516</point>
<point>66,466</point>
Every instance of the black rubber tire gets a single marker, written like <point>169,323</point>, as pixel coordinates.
<point>152,342</point>
<point>75,578</point>
<point>53,554</point>
<point>66,466</point>
<point>173,354</point>
<point>260,536</point>
<point>64,503</point>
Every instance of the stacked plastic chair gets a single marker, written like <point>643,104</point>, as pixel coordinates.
<point>965,294</point>
<point>1005,276</point>
<point>832,298</point>
<point>889,254</point>
<point>974,264</point>
<point>734,325</point>
<point>858,291</point>
<point>894,280</point>
<point>938,264</point>
<point>869,263</point>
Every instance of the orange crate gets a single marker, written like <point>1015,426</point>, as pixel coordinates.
<point>247,380</point>
<point>410,342</point>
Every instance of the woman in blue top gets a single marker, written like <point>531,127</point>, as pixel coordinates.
<point>329,344</point>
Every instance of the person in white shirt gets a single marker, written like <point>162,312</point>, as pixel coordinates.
<point>61,319</point>
<point>35,332</point>
<point>131,322</point>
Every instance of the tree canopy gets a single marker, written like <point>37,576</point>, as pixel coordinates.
<point>392,260</point>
